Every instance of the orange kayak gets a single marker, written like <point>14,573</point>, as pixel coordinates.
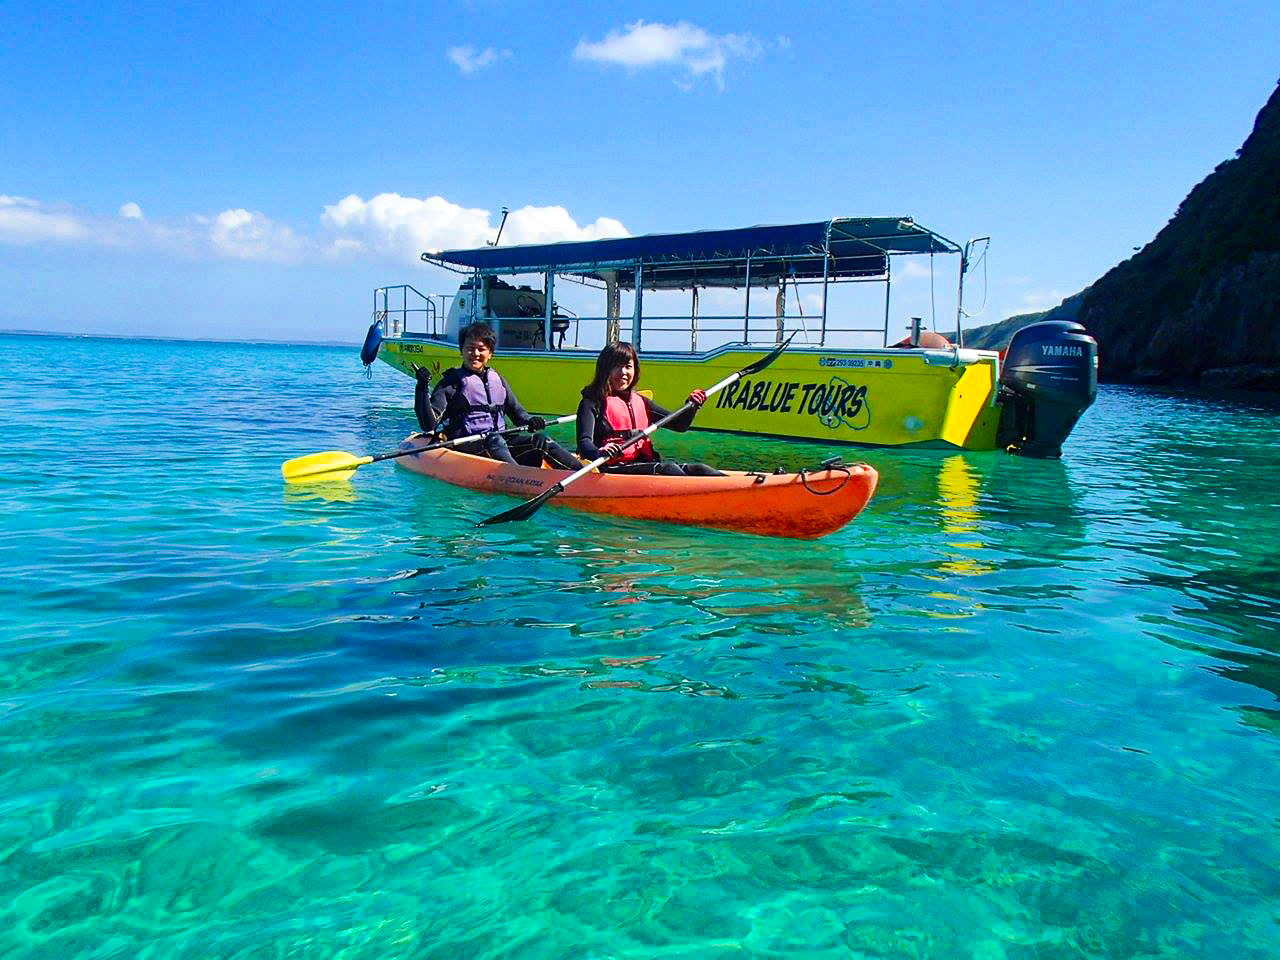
<point>807,505</point>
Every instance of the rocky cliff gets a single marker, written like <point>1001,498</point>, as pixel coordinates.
<point>1201,302</point>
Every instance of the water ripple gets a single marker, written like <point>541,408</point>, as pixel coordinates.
<point>1017,708</point>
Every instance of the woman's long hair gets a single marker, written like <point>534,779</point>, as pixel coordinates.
<point>611,357</point>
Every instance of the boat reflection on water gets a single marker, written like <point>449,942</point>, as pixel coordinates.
<point>984,505</point>
<point>959,489</point>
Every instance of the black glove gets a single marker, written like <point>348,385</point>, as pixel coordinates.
<point>423,375</point>
<point>536,424</point>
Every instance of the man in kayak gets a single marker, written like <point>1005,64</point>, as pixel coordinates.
<point>612,411</point>
<point>474,399</point>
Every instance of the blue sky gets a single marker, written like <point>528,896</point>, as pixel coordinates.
<point>207,171</point>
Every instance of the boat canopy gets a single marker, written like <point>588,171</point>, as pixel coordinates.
<point>845,248</point>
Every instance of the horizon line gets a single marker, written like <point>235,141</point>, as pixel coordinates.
<point>63,334</point>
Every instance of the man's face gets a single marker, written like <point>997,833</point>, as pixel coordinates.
<point>475,355</point>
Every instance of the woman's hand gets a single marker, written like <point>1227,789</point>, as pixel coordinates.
<point>697,398</point>
<point>611,450</point>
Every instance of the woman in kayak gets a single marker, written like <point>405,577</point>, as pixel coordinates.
<point>612,411</point>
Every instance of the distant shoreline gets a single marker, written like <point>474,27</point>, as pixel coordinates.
<point>62,335</point>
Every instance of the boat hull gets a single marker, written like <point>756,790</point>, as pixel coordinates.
<point>805,506</point>
<point>878,397</point>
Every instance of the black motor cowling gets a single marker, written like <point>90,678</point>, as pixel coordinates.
<point>1050,378</point>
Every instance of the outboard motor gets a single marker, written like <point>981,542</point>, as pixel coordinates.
<point>1050,377</point>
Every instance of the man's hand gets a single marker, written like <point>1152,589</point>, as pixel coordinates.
<point>536,424</point>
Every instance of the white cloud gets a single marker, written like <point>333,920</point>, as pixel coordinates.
<point>23,220</point>
<point>403,227</point>
<point>1041,300</point>
<point>911,270</point>
<point>644,45</point>
<point>469,61</point>
<point>553,224</point>
<point>387,226</point>
<point>812,303</point>
<point>244,235</point>
<point>235,234</point>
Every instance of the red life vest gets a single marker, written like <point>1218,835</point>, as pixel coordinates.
<point>624,417</point>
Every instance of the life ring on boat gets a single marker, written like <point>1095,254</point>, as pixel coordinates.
<point>372,341</point>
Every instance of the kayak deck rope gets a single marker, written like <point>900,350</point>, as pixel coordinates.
<point>828,465</point>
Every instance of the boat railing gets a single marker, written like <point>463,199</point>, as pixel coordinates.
<point>679,332</point>
<point>416,313</point>
<point>712,330</point>
<point>708,331</point>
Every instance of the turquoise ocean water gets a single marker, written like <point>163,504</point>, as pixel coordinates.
<point>1016,709</point>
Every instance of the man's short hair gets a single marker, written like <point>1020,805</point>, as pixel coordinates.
<point>478,331</point>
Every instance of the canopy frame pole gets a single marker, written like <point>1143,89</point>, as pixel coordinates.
<point>780,308</point>
<point>888,286</point>
<point>746,307</point>
<point>637,313</point>
<point>693,323</point>
<point>826,266</point>
<point>933,302</point>
<point>612,328</point>
<point>548,287</point>
<point>964,265</point>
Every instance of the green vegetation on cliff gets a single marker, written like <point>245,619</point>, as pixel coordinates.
<point>995,336</point>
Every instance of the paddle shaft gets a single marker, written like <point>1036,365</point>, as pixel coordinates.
<point>444,444</point>
<point>469,438</point>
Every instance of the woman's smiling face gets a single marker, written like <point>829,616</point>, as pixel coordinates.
<point>622,376</point>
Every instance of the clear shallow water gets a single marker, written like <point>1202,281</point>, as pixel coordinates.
<point>1016,709</point>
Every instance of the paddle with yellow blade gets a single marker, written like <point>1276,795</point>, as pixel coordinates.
<point>339,465</point>
<point>527,509</point>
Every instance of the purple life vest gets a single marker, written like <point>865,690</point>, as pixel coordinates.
<point>478,404</point>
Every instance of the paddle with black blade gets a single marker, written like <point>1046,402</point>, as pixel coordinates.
<point>527,509</point>
<point>343,464</point>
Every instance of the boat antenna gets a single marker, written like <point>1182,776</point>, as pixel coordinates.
<point>494,241</point>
